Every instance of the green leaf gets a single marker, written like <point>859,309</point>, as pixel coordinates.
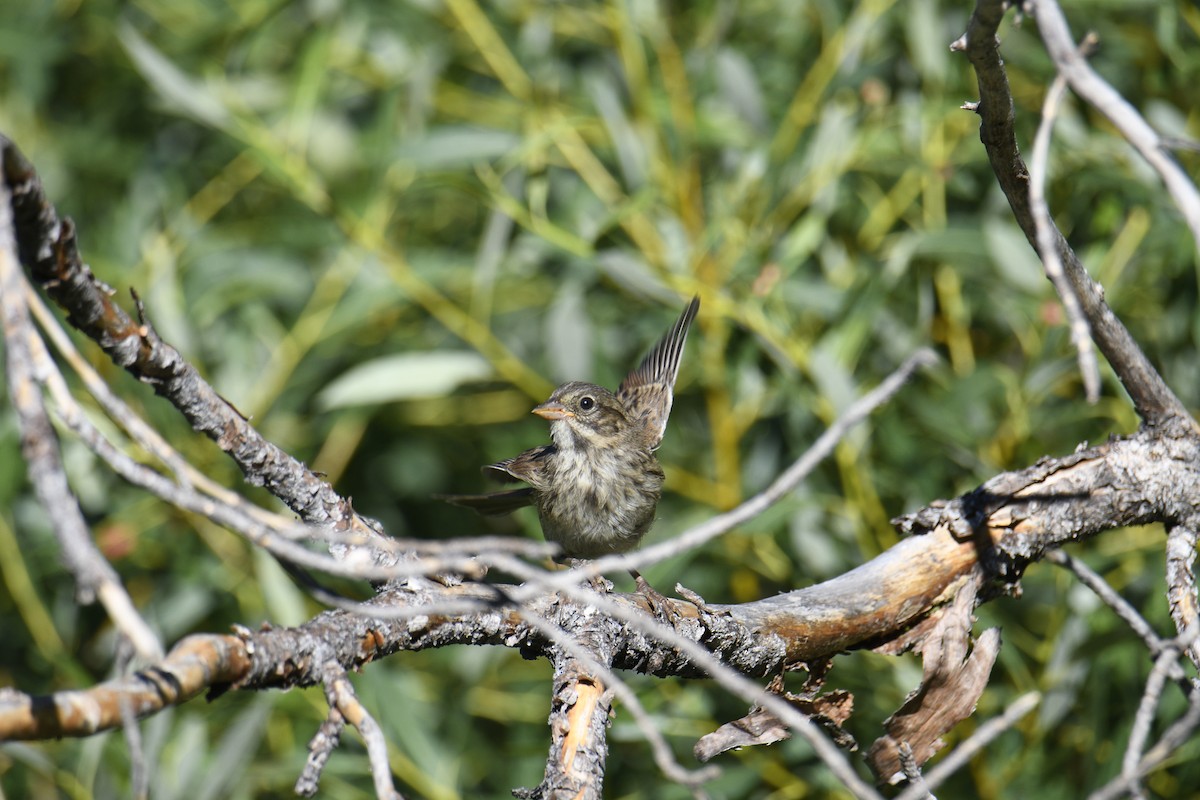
<point>404,377</point>
<point>454,146</point>
<point>178,89</point>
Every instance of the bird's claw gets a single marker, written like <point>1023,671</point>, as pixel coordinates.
<point>698,601</point>
<point>600,584</point>
<point>660,604</point>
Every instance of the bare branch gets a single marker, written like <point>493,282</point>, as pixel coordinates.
<point>1095,90</point>
<point>663,756</point>
<point>48,249</point>
<point>984,735</point>
<point>1154,400</point>
<point>94,577</point>
<point>1181,583</point>
<point>1081,335</point>
<point>1174,737</point>
<point>196,664</point>
<point>1109,596</point>
<point>340,695</point>
<point>320,748</point>
<point>1143,719</point>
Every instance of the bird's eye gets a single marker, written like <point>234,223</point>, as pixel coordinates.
<point>587,404</point>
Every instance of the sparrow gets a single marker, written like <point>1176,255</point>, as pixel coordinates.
<point>596,488</point>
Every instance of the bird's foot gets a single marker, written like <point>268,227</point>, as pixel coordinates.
<point>600,584</point>
<point>659,603</point>
<point>597,583</point>
<point>698,601</point>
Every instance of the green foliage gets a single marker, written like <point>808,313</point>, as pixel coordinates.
<point>316,199</point>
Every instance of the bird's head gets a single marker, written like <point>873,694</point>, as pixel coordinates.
<point>584,415</point>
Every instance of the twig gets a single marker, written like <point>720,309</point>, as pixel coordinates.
<point>983,736</point>
<point>1144,719</point>
<point>1095,90</point>
<point>94,577</point>
<point>340,694</point>
<point>1109,596</point>
<point>1153,399</point>
<point>1081,335</point>
<point>320,748</point>
<point>1178,733</point>
<point>139,773</point>
<point>912,771</point>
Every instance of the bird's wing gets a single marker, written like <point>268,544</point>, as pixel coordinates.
<point>494,504</point>
<point>525,467</point>
<point>647,391</point>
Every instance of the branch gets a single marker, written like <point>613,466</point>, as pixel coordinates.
<point>198,663</point>
<point>94,577</point>
<point>1105,99</point>
<point>48,249</point>
<point>340,695</point>
<point>1172,739</point>
<point>584,706</point>
<point>1156,404</point>
<point>1010,521</point>
<point>1181,583</point>
<point>1081,335</point>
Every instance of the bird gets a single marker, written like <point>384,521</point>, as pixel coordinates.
<point>596,487</point>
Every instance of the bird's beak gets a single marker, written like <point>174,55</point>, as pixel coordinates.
<point>549,410</point>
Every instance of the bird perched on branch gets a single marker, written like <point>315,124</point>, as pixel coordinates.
<point>597,486</point>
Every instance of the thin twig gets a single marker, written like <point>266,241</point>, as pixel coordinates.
<point>1179,732</point>
<point>1109,596</point>
<point>983,736</point>
<point>320,748</point>
<point>1095,90</point>
<point>912,771</point>
<point>1081,335</point>
<point>340,694</point>
<point>94,576</point>
<point>1140,732</point>
<point>139,772</point>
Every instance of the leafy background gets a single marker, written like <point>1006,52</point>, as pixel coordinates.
<point>385,230</point>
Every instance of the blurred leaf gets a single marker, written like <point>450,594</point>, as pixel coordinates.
<point>454,146</point>
<point>569,334</point>
<point>1013,257</point>
<point>634,274</point>
<point>235,750</point>
<point>179,90</point>
<point>285,602</point>
<point>740,88</point>
<point>403,377</point>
